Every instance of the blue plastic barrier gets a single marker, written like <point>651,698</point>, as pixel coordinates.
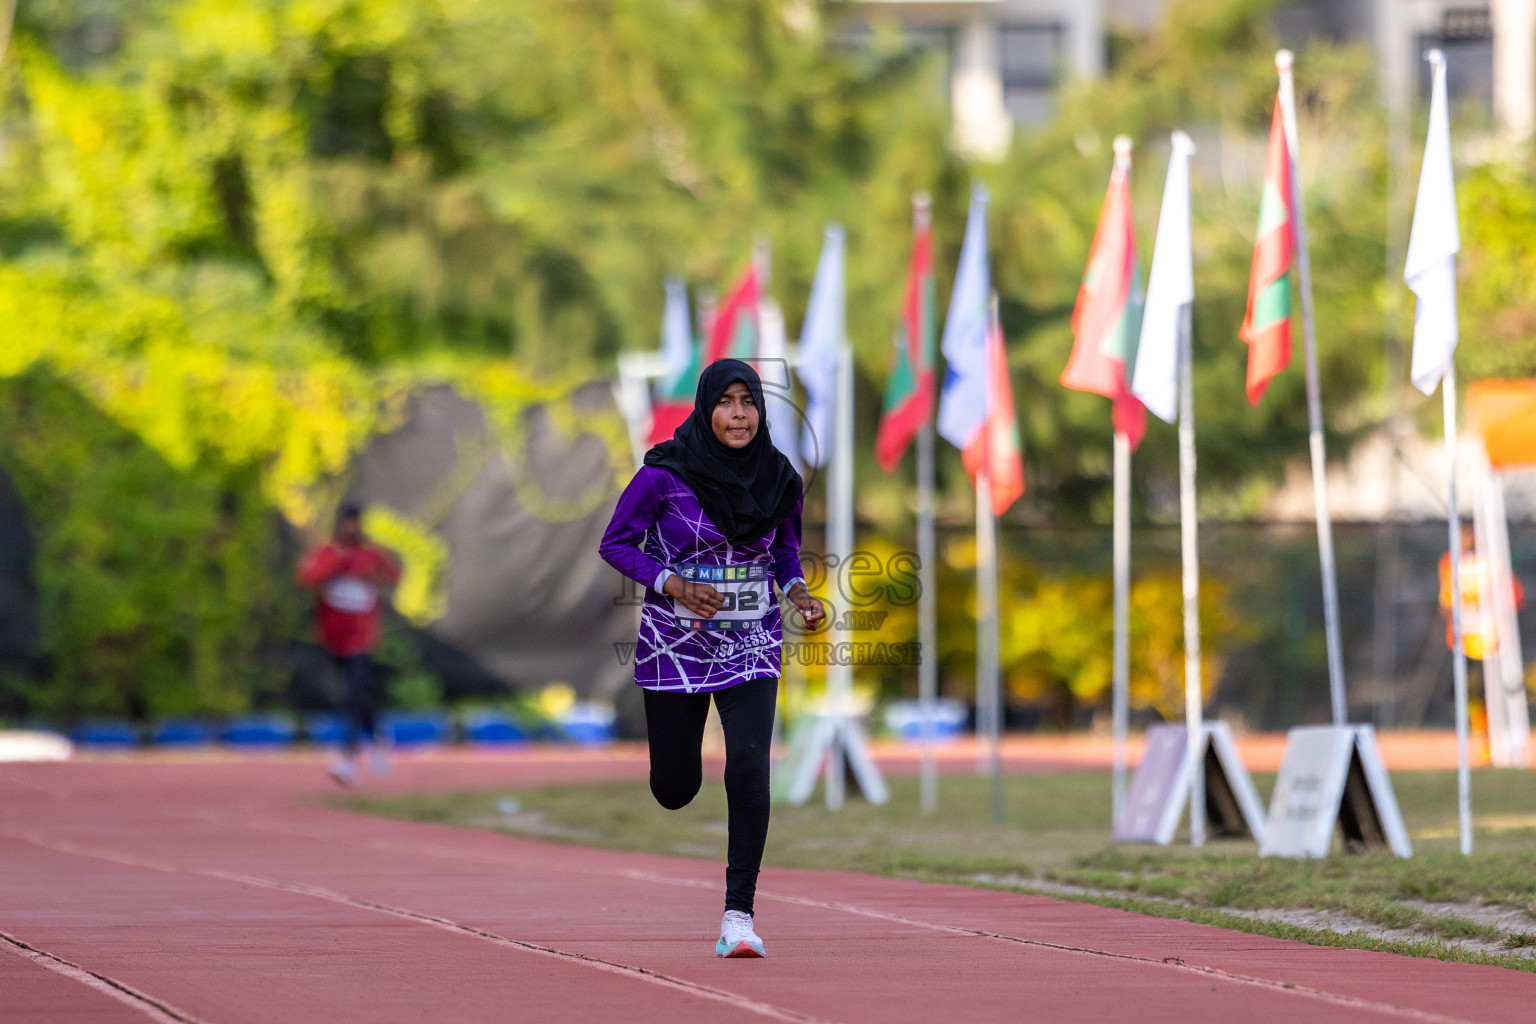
<point>258,731</point>
<point>493,730</point>
<point>102,733</point>
<point>417,730</point>
<point>326,729</point>
<point>588,724</point>
<point>180,732</point>
<point>904,718</point>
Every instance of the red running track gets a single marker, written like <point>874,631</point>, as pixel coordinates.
<point>222,892</point>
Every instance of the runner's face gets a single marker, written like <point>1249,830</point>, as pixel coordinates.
<point>349,532</point>
<point>736,415</point>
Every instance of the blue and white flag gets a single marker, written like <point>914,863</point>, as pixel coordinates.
<point>963,401</point>
<point>821,345</point>
<point>1433,245</point>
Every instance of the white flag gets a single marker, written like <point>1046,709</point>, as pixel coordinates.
<point>1170,288</point>
<point>821,343</point>
<point>963,402</point>
<point>773,367</point>
<point>1433,245</point>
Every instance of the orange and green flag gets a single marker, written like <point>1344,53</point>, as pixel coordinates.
<point>909,392</point>
<point>1106,321</point>
<point>1267,325</point>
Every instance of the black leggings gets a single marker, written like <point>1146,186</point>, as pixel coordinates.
<point>674,723</point>
<point>362,701</point>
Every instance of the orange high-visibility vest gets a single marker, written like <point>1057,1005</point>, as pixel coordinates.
<point>1479,630</point>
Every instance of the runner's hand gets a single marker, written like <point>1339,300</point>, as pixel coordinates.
<point>700,598</point>
<point>810,609</point>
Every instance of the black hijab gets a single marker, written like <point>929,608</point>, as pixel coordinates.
<point>746,491</point>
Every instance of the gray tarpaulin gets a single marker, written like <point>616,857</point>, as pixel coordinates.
<point>528,599</point>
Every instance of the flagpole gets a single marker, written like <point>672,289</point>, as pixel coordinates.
<point>987,674</point>
<point>927,601</point>
<point>1285,63</point>
<point>1120,697</point>
<point>1194,698</point>
<point>840,529</point>
<point>963,400</point>
<point>1120,684</point>
<point>840,545</point>
<point>1459,650</point>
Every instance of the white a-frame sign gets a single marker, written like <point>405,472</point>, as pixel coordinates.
<point>1160,788</point>
<point>1332,776</point>
<point>832,740</point>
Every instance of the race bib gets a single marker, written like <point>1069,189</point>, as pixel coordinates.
<point>746,589</point>
<point>350,594</point>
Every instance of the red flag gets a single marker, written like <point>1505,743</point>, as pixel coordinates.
<point>1107,318</point>
<point>666,417</point>
<point>997,443</point>
<point>1267,324</point>
<point>734,332</point>
<point>909,392</point>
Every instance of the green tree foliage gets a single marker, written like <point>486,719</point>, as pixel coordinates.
<point>1497,273</point>
<point>410,174</point>
<point>155,584</point>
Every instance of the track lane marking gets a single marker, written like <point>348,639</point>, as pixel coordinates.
<point>732,999</point>
<point>154,1008</point>
<point>1174,963</point>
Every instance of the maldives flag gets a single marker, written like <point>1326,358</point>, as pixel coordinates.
<point>1107,319</point>
<point>1267,325</point>
<point>734,332</point>
<point>909,391</point>
<point>997,444</point>
<point>681,352</point>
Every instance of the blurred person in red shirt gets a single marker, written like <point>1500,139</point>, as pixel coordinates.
<point>350,576</point>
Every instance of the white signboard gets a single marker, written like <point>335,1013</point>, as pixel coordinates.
<point>1160,788</point>
<point>1331,777</point>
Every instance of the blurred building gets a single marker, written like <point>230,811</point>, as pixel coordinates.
<point>1490,49</point>
<point>1006,57</point>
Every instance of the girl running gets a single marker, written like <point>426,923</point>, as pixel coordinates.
<point>708,525</point>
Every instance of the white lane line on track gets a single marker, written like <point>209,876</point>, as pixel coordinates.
<point>732,999</point>
<point>1174,963</point>
<point>157,1010</point>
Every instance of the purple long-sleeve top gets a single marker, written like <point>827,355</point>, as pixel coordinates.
<point>659,524</point>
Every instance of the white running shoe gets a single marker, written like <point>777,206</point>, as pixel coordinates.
<point>737,937</point>
<point>345,772</point>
